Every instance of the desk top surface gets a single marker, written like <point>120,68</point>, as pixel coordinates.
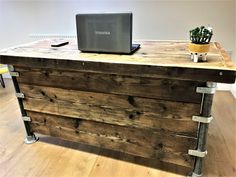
<point>154,53</point>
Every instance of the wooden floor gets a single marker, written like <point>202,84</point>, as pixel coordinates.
<point>51,157</point>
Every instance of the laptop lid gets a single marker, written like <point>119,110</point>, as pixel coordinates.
<point>104,32</point>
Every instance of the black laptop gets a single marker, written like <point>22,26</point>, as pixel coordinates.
<point>105,33</point>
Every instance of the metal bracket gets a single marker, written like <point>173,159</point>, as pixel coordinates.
<point>20,95</point>
<point>26,118</point>
<point>197,153</point>
<point>202,119</point>
<point>14,74</point>
<point>206,90</point>
<point>10,68</point>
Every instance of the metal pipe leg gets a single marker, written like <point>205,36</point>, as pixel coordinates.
<point>30,137</point>
<point>2,81</point>
<point>203,131</point>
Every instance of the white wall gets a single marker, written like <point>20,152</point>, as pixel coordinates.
<point>233,88</point>
<point>153,19</point>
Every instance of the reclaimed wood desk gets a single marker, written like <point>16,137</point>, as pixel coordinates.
<point>155,103</point>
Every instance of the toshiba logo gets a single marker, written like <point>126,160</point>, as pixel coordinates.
<point>102,32</point>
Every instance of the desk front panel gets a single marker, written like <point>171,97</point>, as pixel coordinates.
<point>148,117</point>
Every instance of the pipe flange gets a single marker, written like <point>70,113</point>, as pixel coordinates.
<point>31,139</point>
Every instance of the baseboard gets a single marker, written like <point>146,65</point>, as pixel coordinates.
<point>233,90</point>
<point>227,87</point>
<point>224,87</point>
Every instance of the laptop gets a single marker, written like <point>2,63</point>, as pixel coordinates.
<point>105,33</point>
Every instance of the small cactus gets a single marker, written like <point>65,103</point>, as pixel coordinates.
<point>201,35</point>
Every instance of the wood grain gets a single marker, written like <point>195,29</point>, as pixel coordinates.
<point>113,109</point>
<point>165,147</point>
<point>55,157</point>
<point>167,89</point>
<point>167,59</point>
<point>225,56</point>
<point>181,73</point>
<point>161,71</point>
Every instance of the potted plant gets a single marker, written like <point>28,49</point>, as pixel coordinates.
<point>200,42</point>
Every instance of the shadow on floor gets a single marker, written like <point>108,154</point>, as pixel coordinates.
<point>153,163</point>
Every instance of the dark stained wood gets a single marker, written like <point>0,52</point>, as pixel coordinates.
<point>167,89</point>
<point>181,73</point>
<point>140,104</point>
<point>62,158</point>
<point>113,109</point>
<point>165,147</point>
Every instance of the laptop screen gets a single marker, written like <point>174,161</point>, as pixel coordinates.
<point>107,32</point>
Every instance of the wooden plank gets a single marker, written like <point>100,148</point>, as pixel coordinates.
<point>165,147</point>
<point>225,56</point>
<point>113,109</point>
<point>133,166</point>
<point>167,89</point>
<point>181,73</point>
<point>167,59</point>
<point>221,148</point>
<point>156,53</point>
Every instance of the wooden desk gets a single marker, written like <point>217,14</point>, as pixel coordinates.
<point>141,104</point>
